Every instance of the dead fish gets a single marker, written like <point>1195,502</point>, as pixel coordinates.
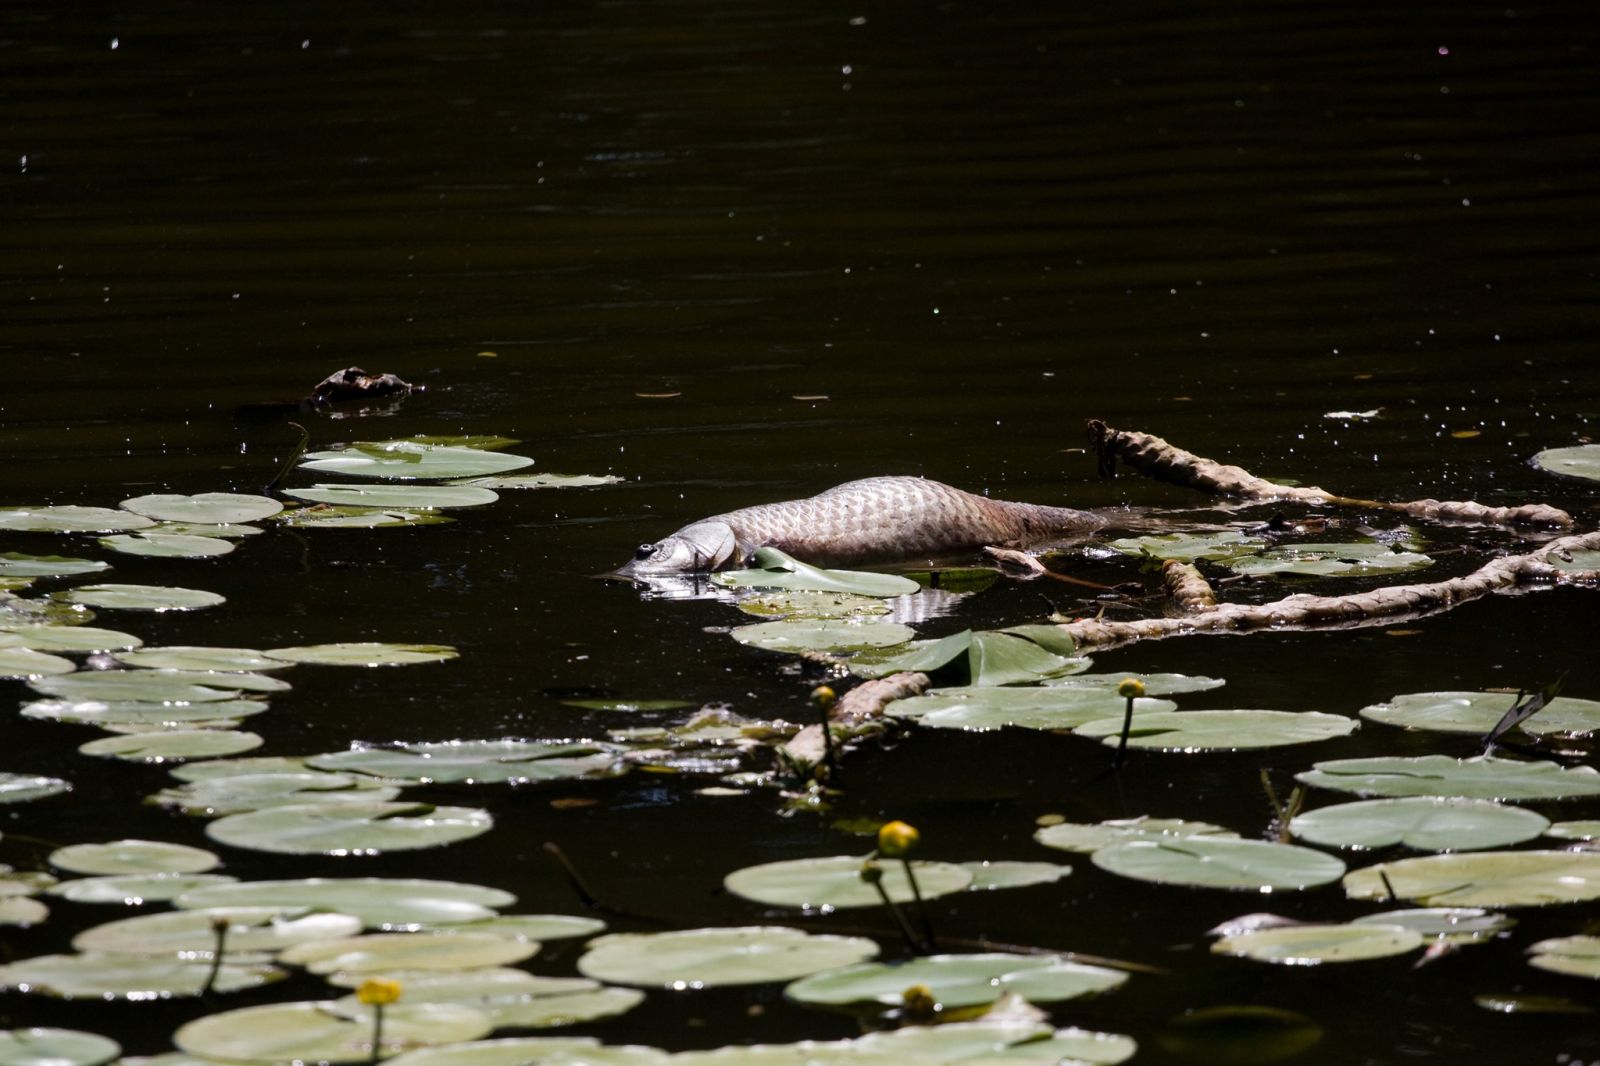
<point>872,520</point>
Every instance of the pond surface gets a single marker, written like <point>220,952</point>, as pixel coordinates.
<point>735,253</point>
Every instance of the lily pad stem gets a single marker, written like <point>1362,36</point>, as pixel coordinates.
<point>219,928</point>
<point>928,942</point>
<point>377,1033</point>
<point>586,898</point>
<point>912,942</point>
<point>288,464</point>
<point>1122,743</point>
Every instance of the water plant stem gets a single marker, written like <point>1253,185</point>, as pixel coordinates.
<point>219,929</point>
<point>288,464</point>
<point>928,942</point>
<point>1127,727</point>
<point>377,1033</point>
<point>873,875</point>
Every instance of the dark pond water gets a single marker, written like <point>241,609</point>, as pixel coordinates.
<point>967,227</point>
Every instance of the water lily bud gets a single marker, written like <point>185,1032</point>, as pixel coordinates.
<point>1131,688</point>
<point>896,839</point>
<point>871,873</point>
<point>823,695</point>
<point>377,992</point>
<point>919,1002</point>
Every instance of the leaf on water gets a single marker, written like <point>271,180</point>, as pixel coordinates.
<point>217,796</point>
<point>157,686</point>
<point>1233,730</point>
<point>1587,829</point>
<point>47,637</point>
<point>958,980</point>
<point>134,890</point>
<point>397,497</point>
<point>21,564</point>
<point>323,1032</point>
<point>1024,707</point>
<point>1576,956</point>
<point>167,545</point>
<point>55,1047</point>
<point>380,902</point>
<point>1455,925</point>
<point>387,952</point>
<point>173,745</point>
<point>833,882</point>
<point>412,460</point>
<point>704,958</point>
<point>1483,879</point>
<point>1482,777</point>
<point>1579,460</point>
<point>1004,1040</point>
<point>364,653</point>
<point>1331,560</point>
<point>527,1050</point>
<point>987,875</point>
<point>1154,684</point>
<point>324,516</point>
<point>513,999</point>
<point>205,508</point>
<point>1313,944</point>
<point>25,788</point>
<point>544,481</point>
<point>477,761</point>
<point>69,518</point>
<point>1478,712</point>
<point>630,705</point>
<point>830,635</point>
<point>349,828</point>
<point>1218,862</point>
<point>1087,839</point>
<point>141,597</point>
<point>133,857</point>
<point>25,662</point>
<point>143,715</point>
<point>1002,657</point>
<point>97,975</point>
<point>1426,823</point>
<point>775,570</point>
<point>1224,547</point>
<point>192,657</point>
<point>1569,560</point>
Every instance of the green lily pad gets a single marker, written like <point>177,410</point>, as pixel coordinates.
<point>46,637</point>
<point>388,952</point>
<point>194,932</point>
<point>167,545</point>
<point>1331,560</point>
<point>240,766</point>
<point>207,508</point>
<point>364,653</point>
<point>397,497</point>
<point>958,980</point>
<point>530,1050</point>
<point>55,1047</point>
<point>1587,829</point>
<point>21,564</point>
<point>476,761</point>
<point>410,460</point>
<point>833,635</point>
<point>1222,547</point>
<point>801,1053</point>
<point>1479,712</point>
<point>775,570</point>
<point>978,658</point>
<point>17,612</point>
<point>1483,777</point>
<point>1087,839</point>
<point>997,1041</point>
<point>100,976</point>
<point>380,902</point>
<point>1154,684</point>
<point>25,662</point>
<point>324,1032</point>
<point>218,796</point>
<point>1483,879</point>
<point>1576,956</point>
<point>25,788</point>
<point>1456,925</point>
<point>544,481</point>
<point>349,828</point>
<point>324,516</point>
<point>834,882</point>
<point>1311,945</point>
<point>142,597</point>
<point>141,686</point>
<point>215,660</point>
<point>1218,862</point>
<point>226,530</point>
<point>173,745</point>
<point>703,958</point>
<point>134,890</point>
<point>1427,823</point>
<point>133,857</point>
<point>514,999</point>
<point>69,518</point>
<point>987,875</point>
<point>1190,731</point>
<point>629,705</point>
<point>526,926</point>
<point>143,715</point>
<point>1578,460</point>
<point>1574,560</point>
<point>22,911</point>
<point>1028,708</point>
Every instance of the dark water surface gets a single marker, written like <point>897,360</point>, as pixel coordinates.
<point>968,227</point>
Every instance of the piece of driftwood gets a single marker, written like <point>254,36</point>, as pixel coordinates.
<point>1154,457</point>
<point>355,385</point>
<point>1189,589</point>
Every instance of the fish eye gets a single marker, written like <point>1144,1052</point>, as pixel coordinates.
<point>644,551</point>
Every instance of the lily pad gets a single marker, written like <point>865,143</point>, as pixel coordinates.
<point>978,658</point>
<point>1457,925</point>
<point>25,788</point>
<point>397,497</point>
<point>349,828</point>
<point>1427,823</point>
<point>987,875</point>
<point>1222,547</point>
<point>530,1050</point>
<point>1479,712</point>
<point>1358,559</point>
<point>167,545</point>
<point>143,715</point>
<point>324,1032</point>
<point>1574,560</point>
<point>218,796</point>
<point>364,653</point>
<point>1002,1041</point>
<point>833,635</point>
<point>133,857</point>
<point>69,518</point>
<point>389,952</point>
<point>775,570</point>
<point>545,481</point>
<point>22,911</point>
<point>25,662</point>
<point>189,657</point>
<point>834,882</point>
<point>55,1047</point>
<point>194,932</point>
<point>1154,684</point>
<point>1482,777</point>
<point>1483,879</point>
<point>1587,829</point>
<point>514,999</point>
<point>958,980</point>
<point>207,508</point>
<point>380,902</point>
<point>324,516</point>
<point>1218,862</point>
<point>101,975</point>
<point>133,890</point>
<point>21,564</point>
<point>1087,839</point>
<point>1311,945</point>
<point>409,460</point>
<point>226,530</point>
<point>173,745</point>
<point>630,705</point>
<point>142,686</point>
<point>142,597</point>
<point>703,958</point>
<point>1029,708</point>
<point>1190,731</point>
<point>1576,956</point>
<point>477,761</point>
<point>1578,460</point>
<point>46,637</point>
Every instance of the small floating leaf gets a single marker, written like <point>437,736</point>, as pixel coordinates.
<point>629,705</point>
<point>143,715</point>
<point>776,570</point>
<point>1457,925</point>
<point>1223,547</point>
<point>1310,945</point>
<point>1029,708</point>
<point>145,686</point>
<point>834,881</point>
<point>133,857</point>
<point>208,508</point>
<point>364,653</point>
<point>477,761</point>
<point>513,998</point>
<point>68,518</point>
<point>1154,684</point>
<point>545,481</point>
<point>250,929</point>
<point>387,952</point>
<point>55,1047</point>
<point>1217,862</point>
<point>167,545</point>
<point>133,890</point>
<point>1331,560</point>
<point>994,1042</point>
<point>703,958</point>
<point>187,657</point>
<point>22,911</point>
<point>397,497</point>
<point>1569,560</point>
<point>20,564</point>
<point>527,926</point>
<point>1086,839</point>
<point>408,460</point>
<point>44,637</point>
<point>214,797</point>
<point>1483,879</point>
<point>987,875</point>
<point>1579,830</point>
<point>1221,730</point>
<point>1577,956</point>
<point>228,530</point>
<point>958,980</point>
<point>531,1050</point>
<point>313,1032</point>
<point>25,662</point>
<point>349,828</point>
<point>832,635</point>
<point>1579,460</point>
<point>380,902</point>
<point>1427,823</point>
<point>324,516</point>
<point>142,597</point>
<point>978,658</point>
<point>175,744</point>
<point>25,788</point>
<point>1482,777</point>
<point>1479,712</point>
<point>101,975</point>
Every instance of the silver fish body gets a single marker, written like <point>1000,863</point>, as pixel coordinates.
<point>871,520</point>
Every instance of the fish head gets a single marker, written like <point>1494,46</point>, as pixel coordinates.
<point>697,548</point>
